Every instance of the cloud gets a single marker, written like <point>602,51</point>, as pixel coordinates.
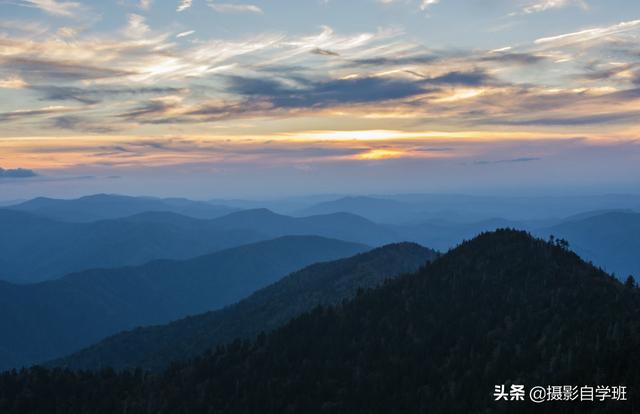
<point>589,119</point>
<point>145,4</point>
<point>280,96</point>
<point>235,8</point>
<point>310,93</point>
<point>397,60</point>
<point>473,78</point>
<point>17,173</point>
<point>544,5</point>
<point>137,26</point>
<point>184,5</point>
<point>13,82</point>
<point>78,123</point>
<point>516,58</point>
<point>324,52</point>
<point>588,34</point>
<point>32,113</point>
<point>425,4</point>
<point>508,161</point>
<point>185,34</point>
<point>33,69</point>
<point>97,94</point>
<point>54,7</point>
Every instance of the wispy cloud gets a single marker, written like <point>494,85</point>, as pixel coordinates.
<point>589,34</point>
<point>54,7</point>
<point>425,4</point>
<point>185,34</point>
<point>544,5</point>
<point>13,82</point>
<point>33,113</point>
<point>137,26</point>
<point>145,4</point>
<point>184,5</point>
<point>82,124</point>
<point>234,8</point>
<point>512,160</point>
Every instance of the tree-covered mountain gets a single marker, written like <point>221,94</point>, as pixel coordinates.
<point>504,308</point>
<point>35,249</point>
<point>54,318</point>
<point>111,206</point>
<point>610,240</point>
<point>319,284</point>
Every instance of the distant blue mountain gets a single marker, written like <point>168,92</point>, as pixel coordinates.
<point>51,319</point>
<point>36,248</point>
<point>110,206</point>
<point>343,226</point>
<point>610,240</point>
<point>377,209</point>
<point>418,208</point>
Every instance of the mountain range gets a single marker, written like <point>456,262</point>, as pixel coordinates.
<point>343,226</point>
<point>112,206</point>
<point>37,248</point>
<point>326,283</point>
<point>54,318</point>
<point>409,209</point>
<point>504,308</point>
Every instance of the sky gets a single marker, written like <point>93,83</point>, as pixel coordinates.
<point>208,98</point>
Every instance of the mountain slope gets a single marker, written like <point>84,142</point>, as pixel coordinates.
<point>111,206</point>
<point>343,226</point>
<point>51,319</point>
<point>502,309</point>
<point>36,248</point>
<point>610,240</point>
<point>319,284</point>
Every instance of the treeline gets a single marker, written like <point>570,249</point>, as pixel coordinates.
<point>504,308</point>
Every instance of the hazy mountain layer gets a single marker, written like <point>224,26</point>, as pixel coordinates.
<point>319,284</point>
<point>36,249</point>
<point>51,319</point>
<point>610,240</point>
<point>110,206</point>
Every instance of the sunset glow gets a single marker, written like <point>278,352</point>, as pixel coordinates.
<point>110,89</point>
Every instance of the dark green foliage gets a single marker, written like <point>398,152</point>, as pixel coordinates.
<point>503,308</point>
<point>319,284</point>
<point>52,319</point>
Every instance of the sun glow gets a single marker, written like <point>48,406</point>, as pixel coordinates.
<point>381,154</point>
